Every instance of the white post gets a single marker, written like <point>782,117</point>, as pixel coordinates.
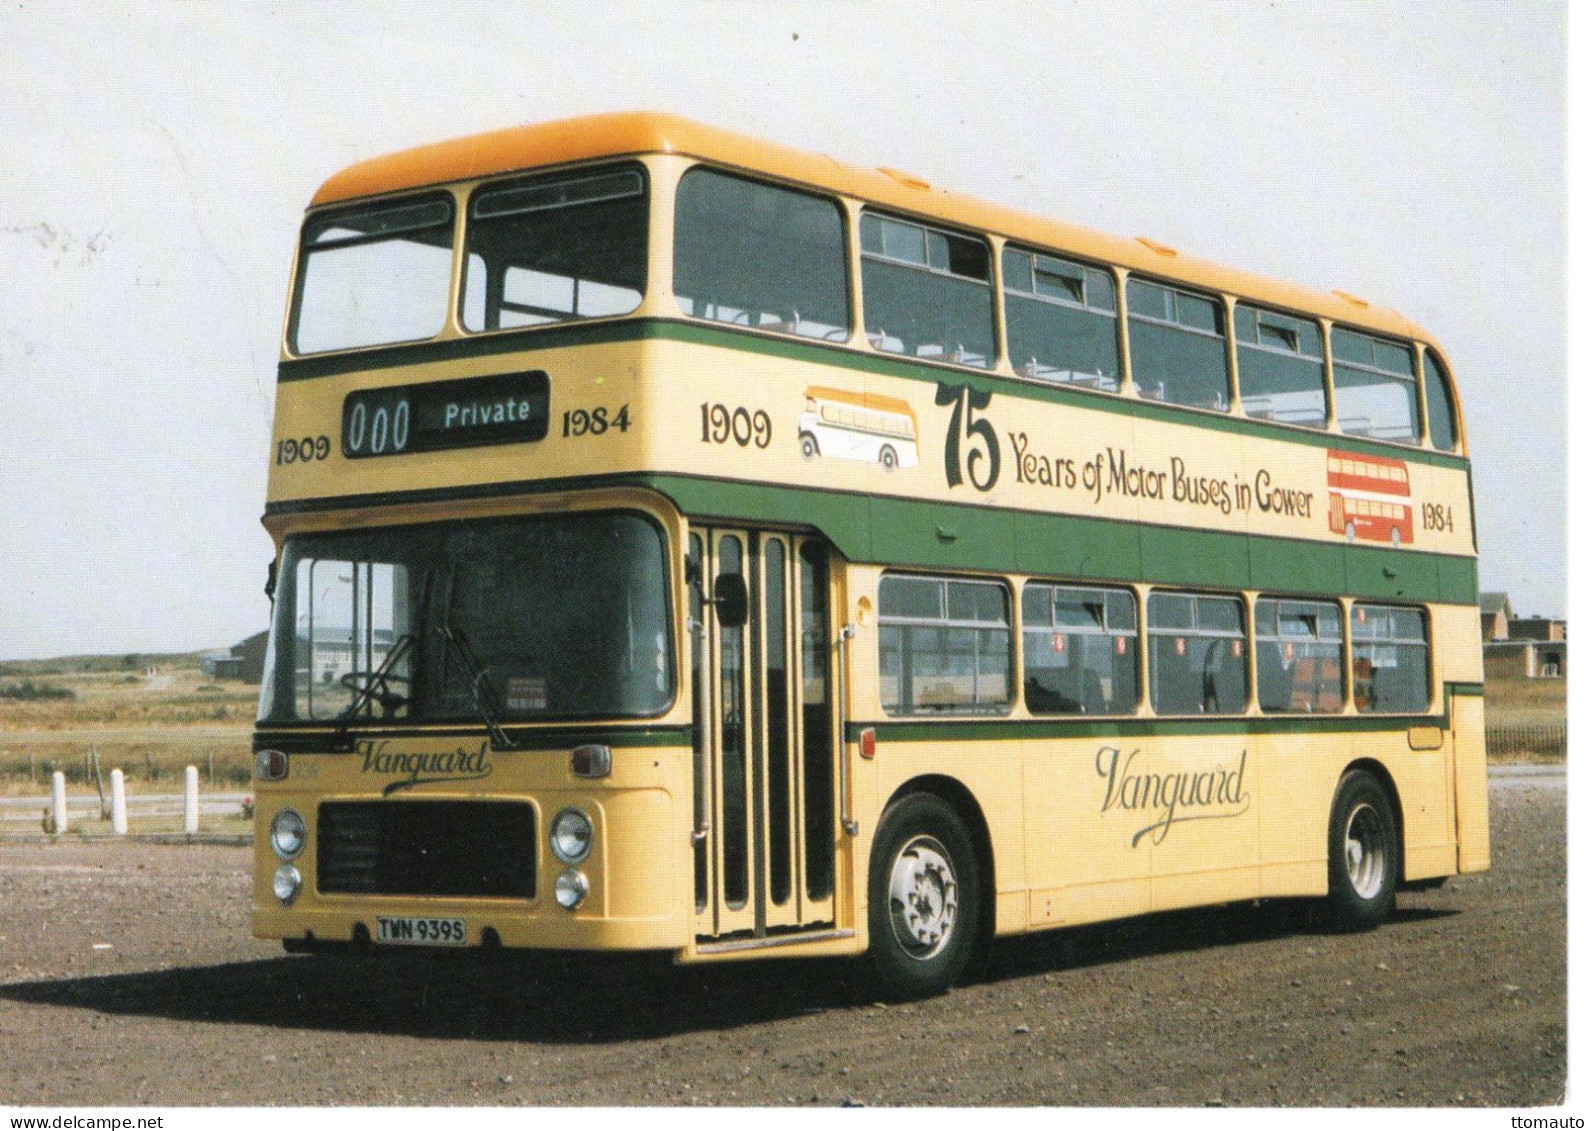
<point>58,803</point>
<point>191,800</point>
<point>118,804</point>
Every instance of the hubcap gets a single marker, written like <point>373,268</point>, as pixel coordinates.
<point>1365,851</point>
<point>924,898</point>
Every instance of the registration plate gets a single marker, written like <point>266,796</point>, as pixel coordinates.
<point>421,932</point>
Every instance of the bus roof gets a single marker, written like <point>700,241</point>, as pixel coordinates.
<point>874,401</point>
<point>629,133</point>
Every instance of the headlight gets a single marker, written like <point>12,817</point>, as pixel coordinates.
<point>285,883</point>
<point>570,889</point>
<point>571,836</point>
<point>287,834</point>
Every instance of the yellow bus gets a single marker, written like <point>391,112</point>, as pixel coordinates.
<point>578,643</point>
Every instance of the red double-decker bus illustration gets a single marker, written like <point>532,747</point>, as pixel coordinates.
<point>1370,498</point>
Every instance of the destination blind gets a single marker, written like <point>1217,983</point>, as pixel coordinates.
<point>506,408</point>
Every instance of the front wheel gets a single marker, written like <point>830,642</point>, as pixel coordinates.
<point>925,897</point>
<point>1364,853</point>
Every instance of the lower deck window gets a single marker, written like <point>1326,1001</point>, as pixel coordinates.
<point>1198,654</point>
<point>1080,654</point>
<point>1298,656</point>
<point>1389,659</point>
<point>944,646</point>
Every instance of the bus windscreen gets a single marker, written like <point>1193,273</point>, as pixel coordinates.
<point>543,617</point>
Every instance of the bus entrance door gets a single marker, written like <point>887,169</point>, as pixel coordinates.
<point>766,847</point>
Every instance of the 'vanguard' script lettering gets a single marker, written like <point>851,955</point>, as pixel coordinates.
<point>458,764</point>
<point>1221,790</point>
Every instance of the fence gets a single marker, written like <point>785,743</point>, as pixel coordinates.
<point>150,812</point>
<point>1547,740</point>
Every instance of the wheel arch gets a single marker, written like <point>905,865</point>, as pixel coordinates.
<point>963,803</point>
<point>1382,776</point>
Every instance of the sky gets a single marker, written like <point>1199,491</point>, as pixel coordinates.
<point>155,161</point>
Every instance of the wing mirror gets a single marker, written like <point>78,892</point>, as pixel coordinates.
<point>731,599</point>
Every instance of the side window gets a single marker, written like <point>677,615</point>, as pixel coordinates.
<point>1376,392</point>
<point>1080,654</point>
<point>1281,362</point>
<point>1197,654</point>
<point>755,255</point>
<point>1437,392</point>
<point>945,646</point>
<point>1177,346</point>
<point>1389,659</point>
<point>926,293</point>
<point>1298,656</point>
<point>1062,320</point>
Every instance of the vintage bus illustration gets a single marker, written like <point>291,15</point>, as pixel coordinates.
<point>1370,498</point>
<point>862,426</point>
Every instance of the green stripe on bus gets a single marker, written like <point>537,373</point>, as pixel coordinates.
<point>944,535</point>
<point>836,356</point>
<point>527,738</point>
<point>918,534</point>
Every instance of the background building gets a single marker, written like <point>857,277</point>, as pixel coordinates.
<point>1520,647</point>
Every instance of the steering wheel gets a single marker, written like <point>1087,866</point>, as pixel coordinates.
<point>375,685</point>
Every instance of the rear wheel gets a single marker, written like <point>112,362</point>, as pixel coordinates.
<point>925,897</point>
<point>1364,853</point>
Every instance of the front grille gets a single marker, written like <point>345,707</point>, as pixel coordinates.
<point>463,848</point>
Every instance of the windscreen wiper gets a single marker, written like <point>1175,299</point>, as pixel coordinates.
<point>376,685</point>
<point>483,697</point>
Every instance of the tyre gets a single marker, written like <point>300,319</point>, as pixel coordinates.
<point>889,457</point>
<point>925,897</point>
<point>811,446</point>
<point>1364,853</point>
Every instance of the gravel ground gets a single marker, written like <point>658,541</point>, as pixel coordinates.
<point>127,976</point>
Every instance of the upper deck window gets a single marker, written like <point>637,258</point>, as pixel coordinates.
<point>1062,320</point>
<point>556,247</point>
<point>755,255</point>
<point>372,276</point>
<point>1281,366</point>
<point>1437,394</point>
<point>926,293</point>
<point>1376,391</point>
<point>1177,346</point>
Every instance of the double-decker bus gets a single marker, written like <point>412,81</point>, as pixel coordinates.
<point>1369,497</point>
<point>579,643</point>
